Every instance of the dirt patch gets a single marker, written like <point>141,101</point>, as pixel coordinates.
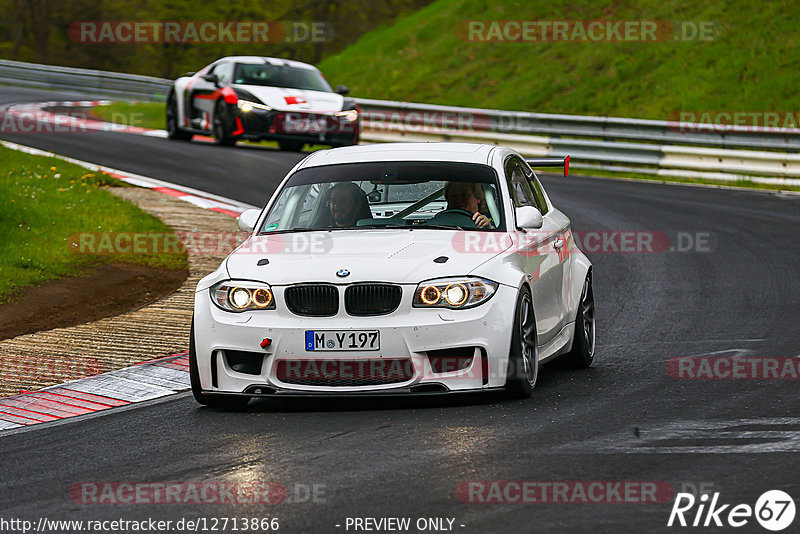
<point>104,291</point>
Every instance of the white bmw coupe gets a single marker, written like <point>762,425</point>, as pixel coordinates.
<point>395,269</point>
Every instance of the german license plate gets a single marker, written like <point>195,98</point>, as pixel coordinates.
<point>305,125</point>
<point>319,340</point>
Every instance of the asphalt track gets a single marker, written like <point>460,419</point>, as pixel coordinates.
<point>625,419</point>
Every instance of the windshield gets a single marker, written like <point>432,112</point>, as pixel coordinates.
<point>388,194</point>
<point>280,76</point>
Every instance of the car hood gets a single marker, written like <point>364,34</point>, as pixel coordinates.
<point>288,99</point>
<point>401,256</point>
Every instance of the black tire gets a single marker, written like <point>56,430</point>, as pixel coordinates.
<point>227,402</point>
<point>174,131</point>
<point>291,146</point>
<point>523,357</point>
<point>582,353</point>
<point>223,125</point>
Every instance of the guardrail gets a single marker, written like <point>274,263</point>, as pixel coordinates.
<point>664,148</point>
<point>99,83</point>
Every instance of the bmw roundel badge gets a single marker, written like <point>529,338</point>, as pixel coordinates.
<point>341,273</point>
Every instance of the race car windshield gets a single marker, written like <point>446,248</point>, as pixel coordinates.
<point>280,76</point>
<point>430,195</point>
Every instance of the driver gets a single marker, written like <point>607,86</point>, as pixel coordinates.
<point>348,203</point>
<point>467,196</point>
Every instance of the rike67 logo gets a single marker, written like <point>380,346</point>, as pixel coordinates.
<point>774,510</point>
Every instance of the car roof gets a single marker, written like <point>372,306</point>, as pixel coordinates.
<point>260,60</point>
<point>448,152</point>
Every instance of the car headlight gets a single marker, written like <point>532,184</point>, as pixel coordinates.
<point>246,106</point>
<point>454,293</point>
<point>235,296</point>
<point>349,114</point>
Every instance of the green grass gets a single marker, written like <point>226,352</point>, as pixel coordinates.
<point>750,65</point>
<point>142,114</point>
<point>44,204</point>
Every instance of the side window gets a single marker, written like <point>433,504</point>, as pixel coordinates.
<point>538,193</point>
<point>518,184</point>
<point>224,72</point>
<point>309,203</point>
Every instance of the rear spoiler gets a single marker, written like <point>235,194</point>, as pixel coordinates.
<point>550,162</point>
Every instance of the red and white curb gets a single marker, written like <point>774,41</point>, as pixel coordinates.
<point>142,382</point>
<point>138,383</point>
<point>36,117</point>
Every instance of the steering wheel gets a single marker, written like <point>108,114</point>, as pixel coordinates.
<point>456,211</point>
<point>454,217</point>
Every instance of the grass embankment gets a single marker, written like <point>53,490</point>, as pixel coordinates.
<point>44,204</point>
<point>141,114</point>
<point>749,65</point>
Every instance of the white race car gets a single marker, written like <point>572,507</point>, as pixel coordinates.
<point>251,97</point>
<point>395,268</point>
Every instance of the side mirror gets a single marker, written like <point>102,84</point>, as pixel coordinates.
<point>211,78</point>
<point>342,90</point>
<point>373,197</point>
<point>248,219</point>
<point>529,217</point>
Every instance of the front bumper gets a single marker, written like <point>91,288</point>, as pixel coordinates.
<point>317,128</point>
<point>411,335</point>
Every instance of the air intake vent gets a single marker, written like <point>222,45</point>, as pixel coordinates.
<point>345,373</point>
<point>313,300</point>
<point>372,299</point>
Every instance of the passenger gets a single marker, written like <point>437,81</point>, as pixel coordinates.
<point>469,197</point>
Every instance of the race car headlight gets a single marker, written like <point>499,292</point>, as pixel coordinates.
<point>246,106</point>
<point>242,296</point>
<point>454,293</point>
<point>349,114</point>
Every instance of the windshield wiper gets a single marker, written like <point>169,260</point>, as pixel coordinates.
<point>388,226</point>
<point>442,226</point>
<point>415,226</point>
<point>276,232</point>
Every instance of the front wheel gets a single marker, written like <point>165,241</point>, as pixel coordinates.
<point>228,402</point>
<point>523,358</point>
<point>223,126</point>
<point>582,353</point>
